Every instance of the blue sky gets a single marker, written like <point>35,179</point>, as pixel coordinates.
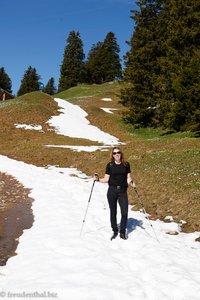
<point>33,33</point>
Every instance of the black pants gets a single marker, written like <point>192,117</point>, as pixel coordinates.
<point>115,195</point>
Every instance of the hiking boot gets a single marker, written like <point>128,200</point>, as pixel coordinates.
<point>123,236</point>
<point>115,234</point>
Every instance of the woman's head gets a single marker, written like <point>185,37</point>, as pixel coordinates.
<point>117,154</point>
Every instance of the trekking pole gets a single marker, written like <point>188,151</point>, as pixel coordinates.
<point>87,207</point>
<point>144,211</point>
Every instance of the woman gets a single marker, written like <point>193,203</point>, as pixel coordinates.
<point>118,177</point>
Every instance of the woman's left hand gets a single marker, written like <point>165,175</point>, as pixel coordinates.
<point>132,184</point>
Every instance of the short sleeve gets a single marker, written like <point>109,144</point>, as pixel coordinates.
<point>128,167</point>
<point>108,169</point>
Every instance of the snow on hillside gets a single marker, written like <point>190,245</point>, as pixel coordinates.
<point>106,99</point>
<point>29,127</point>
<point>72,122</point>
<point>54,261</point>
<point>108,110</point>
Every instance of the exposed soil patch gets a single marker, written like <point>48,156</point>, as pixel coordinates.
<point>15,215</point>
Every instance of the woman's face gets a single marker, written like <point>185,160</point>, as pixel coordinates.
<point>116,154</point>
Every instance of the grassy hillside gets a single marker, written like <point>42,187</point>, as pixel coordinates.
<point>165,167</point>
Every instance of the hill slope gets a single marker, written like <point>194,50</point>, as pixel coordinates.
<point>165,167</point>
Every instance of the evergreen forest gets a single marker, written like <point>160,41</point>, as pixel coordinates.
<point>163,65</point>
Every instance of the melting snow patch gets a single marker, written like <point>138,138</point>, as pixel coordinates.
<point>106,99</point>
<point>108,110</point>
<point>80,148</point>
<point>168,218</point>
<point>29,127</point>
<point>72,122</point>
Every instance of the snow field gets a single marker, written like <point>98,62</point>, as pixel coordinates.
<point>52,255</point>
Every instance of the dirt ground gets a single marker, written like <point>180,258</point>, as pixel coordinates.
<point>15,215</point>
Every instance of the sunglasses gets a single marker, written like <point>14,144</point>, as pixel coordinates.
<point>118,152</point>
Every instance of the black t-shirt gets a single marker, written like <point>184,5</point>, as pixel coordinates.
<point>118,173</point>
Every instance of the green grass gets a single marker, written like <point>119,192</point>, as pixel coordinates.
<point>158,133</point>
<point>84,91</point>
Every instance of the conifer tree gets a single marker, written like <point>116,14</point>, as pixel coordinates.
<point>72,68</point>
<point>103,63</point>
<point>30,82</point>
<point>5,81</point>
<point>50,87</point>
<point>95,68</point>
<point>141,63</point>
<point>183,62</point>
<point>113,69</point>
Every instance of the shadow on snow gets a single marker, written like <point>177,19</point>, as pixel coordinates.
<point>132,224</point>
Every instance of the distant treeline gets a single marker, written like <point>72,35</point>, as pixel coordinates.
<point>162,66</point>
<point>103,64</point>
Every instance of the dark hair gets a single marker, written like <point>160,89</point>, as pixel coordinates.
<point>122,155</point>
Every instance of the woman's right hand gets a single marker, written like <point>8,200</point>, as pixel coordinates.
<point>96,177</point>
